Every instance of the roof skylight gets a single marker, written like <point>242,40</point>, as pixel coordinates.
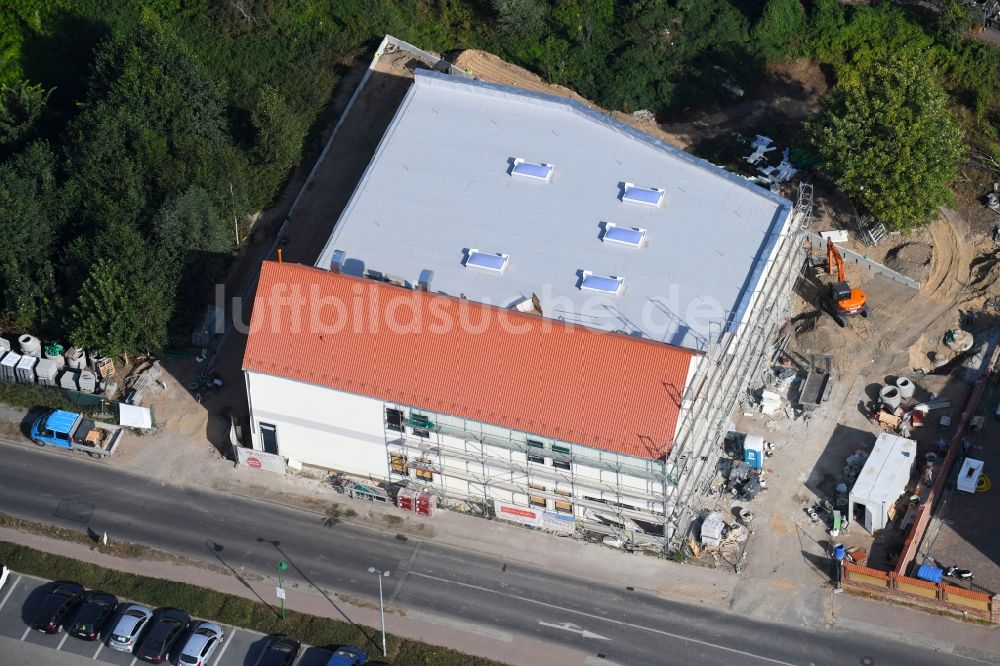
<point>538,171</point>
<point>649,196</point>
<point>624,235</point>
<point>605,284</point>
<point>495,263</point>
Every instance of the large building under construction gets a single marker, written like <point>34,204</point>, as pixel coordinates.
<point>529,308</point>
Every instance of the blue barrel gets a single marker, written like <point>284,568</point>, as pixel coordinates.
<point>930,573</point>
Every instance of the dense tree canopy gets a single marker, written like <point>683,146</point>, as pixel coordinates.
<point>889,141</point>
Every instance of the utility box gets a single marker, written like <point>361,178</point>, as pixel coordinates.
<point>968,476</point>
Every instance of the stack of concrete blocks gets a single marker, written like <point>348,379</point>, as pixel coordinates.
<point>4,346</point>
<point>8,367</point>
<point>47,372</point>
<point>70,380</point>
<point>26,370</point>
<point>88,381</point>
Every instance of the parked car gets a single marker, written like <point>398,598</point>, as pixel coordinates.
<point>281,651</point>
<point>95,610</point>
<point>128,627</point>
<point>347,656</point>
<point>165,629</point>
<point>56,608</point>
<point>201,643</point>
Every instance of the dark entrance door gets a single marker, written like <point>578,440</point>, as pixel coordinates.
<point>269,438</point>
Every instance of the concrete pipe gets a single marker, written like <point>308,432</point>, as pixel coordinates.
<point>30,345</point>
<point>906,387</point>
<point>889,395</point>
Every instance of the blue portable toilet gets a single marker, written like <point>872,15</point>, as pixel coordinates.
<point>930,573</point>
<point>753,451</point>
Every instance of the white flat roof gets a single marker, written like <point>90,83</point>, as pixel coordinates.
<point>441,184</point>
<point>887,470</point>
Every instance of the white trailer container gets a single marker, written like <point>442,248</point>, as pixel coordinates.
<point>882,480</point>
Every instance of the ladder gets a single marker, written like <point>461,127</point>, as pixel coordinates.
<point>872,232</point>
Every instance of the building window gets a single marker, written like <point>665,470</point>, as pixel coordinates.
<point>560,449</point>
<point>563,506</point>
<point>534,452</point>
<point>394,419</point>
<point>561,464</point>
<point>397,462</point>
<point>537,500</point>
<point>420,432</point>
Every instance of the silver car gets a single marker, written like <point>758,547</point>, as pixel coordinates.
<point>201,643</point>
<point>130,624</point>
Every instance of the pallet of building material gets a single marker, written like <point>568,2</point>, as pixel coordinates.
<point>47,371</point>
<point>76,358</point>
<point>70,380</point>
<point>25,370</point>
<point>4,345</point>
<point>8,367</point>
<point>889,420</point>
<point>88,381</point>
<point>105,367</point>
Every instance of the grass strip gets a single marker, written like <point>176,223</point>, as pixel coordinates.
<point>230,609</point>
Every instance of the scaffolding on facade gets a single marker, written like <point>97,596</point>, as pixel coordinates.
<point>723,375</point>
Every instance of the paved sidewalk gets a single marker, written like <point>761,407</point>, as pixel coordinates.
<point>516,544</point>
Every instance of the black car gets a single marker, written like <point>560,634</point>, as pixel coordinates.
<point>57,606</point>
<point>96,609</point>
<point>281,651</point>
<point>166,628</point>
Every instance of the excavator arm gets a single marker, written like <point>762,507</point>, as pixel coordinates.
<point>833,258</point>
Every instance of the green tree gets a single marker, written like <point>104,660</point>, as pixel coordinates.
<point>126,299</point>
<point>21,105</point>
<point>781,30</point>
<point>889,141</point>
<point>33,213</point>
<point>520,19</point>
<point>953,19</point>
<point>278,141</point>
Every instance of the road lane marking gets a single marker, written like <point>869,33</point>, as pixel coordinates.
<point>609,620</point>
<point>133,662</point>
<point>65,636</point>
<point>25,634</point>
<point>567,626</point>
<point>225,644</point>
<point>10,591</point>
<point>100,646</point>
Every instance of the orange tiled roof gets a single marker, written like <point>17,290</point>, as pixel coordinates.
<point>604,390</point>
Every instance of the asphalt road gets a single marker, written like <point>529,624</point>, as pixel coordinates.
<point>626,627</point>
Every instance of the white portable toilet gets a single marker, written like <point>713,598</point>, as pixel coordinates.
<point>968,476</point>
<point>753,451</point>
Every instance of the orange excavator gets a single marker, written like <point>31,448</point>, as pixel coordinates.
<point>842,301</point>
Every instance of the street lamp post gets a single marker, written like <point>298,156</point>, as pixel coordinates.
<point>282,566</point>
<point>381,607</point>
